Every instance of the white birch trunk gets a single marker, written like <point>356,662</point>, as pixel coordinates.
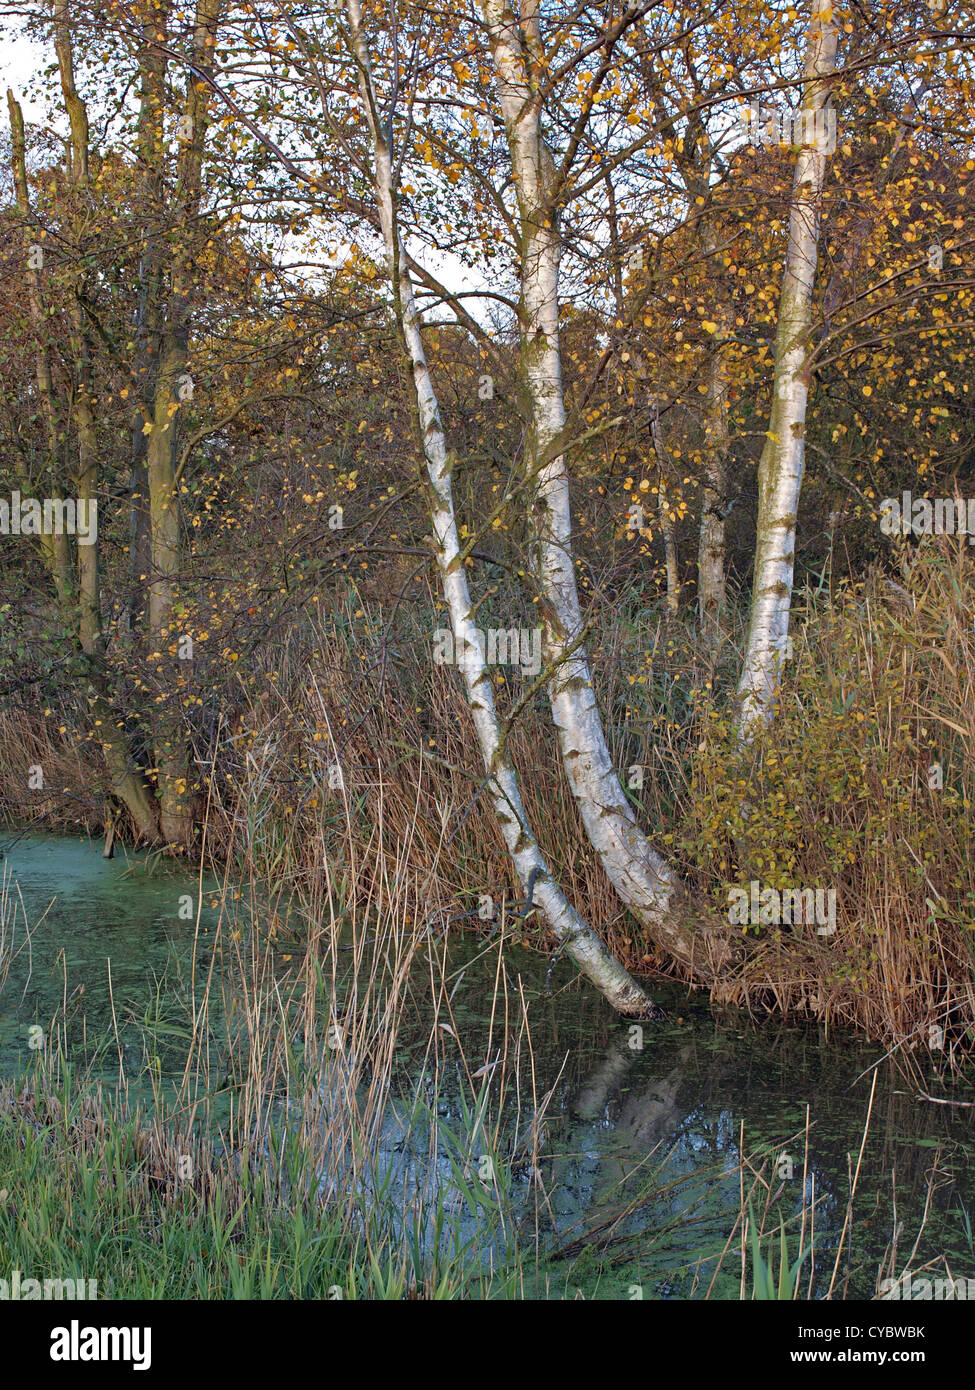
<point>642,878</point>
<point>591,955</point>
<point>783,457</point>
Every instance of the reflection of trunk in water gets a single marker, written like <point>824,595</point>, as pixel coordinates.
<point>584,1175</point>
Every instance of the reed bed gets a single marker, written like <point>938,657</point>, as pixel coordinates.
<point>863,786</point>
<point>323,1128</point>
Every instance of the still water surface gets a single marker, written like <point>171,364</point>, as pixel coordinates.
<point>112,954</point>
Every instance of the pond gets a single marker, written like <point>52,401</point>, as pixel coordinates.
<point>644,1132</point>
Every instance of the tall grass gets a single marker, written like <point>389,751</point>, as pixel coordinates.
<point>877,695</point>
<point>864,784</point>
<point>310,1121</point>
<point>15,928</point>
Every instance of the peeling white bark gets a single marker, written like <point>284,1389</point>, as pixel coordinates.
<point>642,878</point>
<point>587,950</point>
<point>783,457</point>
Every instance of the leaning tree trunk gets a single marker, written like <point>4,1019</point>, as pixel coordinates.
<point>642,878</point>
<point>591,954</point>
<point>781,466</point>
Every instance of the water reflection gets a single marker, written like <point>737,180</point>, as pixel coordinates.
<point>643,1135</point>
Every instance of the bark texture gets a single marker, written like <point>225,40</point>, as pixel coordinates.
<point>172,757</point>
<point>125,778</point>
<point>642,878</point>
<point>783,457</point>
<point>591,954</point>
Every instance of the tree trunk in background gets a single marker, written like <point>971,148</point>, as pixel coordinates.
<point>781,467</point>
<point>711,573</point>
<point>172,755</point>
<point>126,781</point>
<point>668,526</point>
<point>641,877</point>
<point>711,545</point>
<point>696,165</point>
<point>151,153</point>
<point>591,955</point>
<point>55,550</point>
